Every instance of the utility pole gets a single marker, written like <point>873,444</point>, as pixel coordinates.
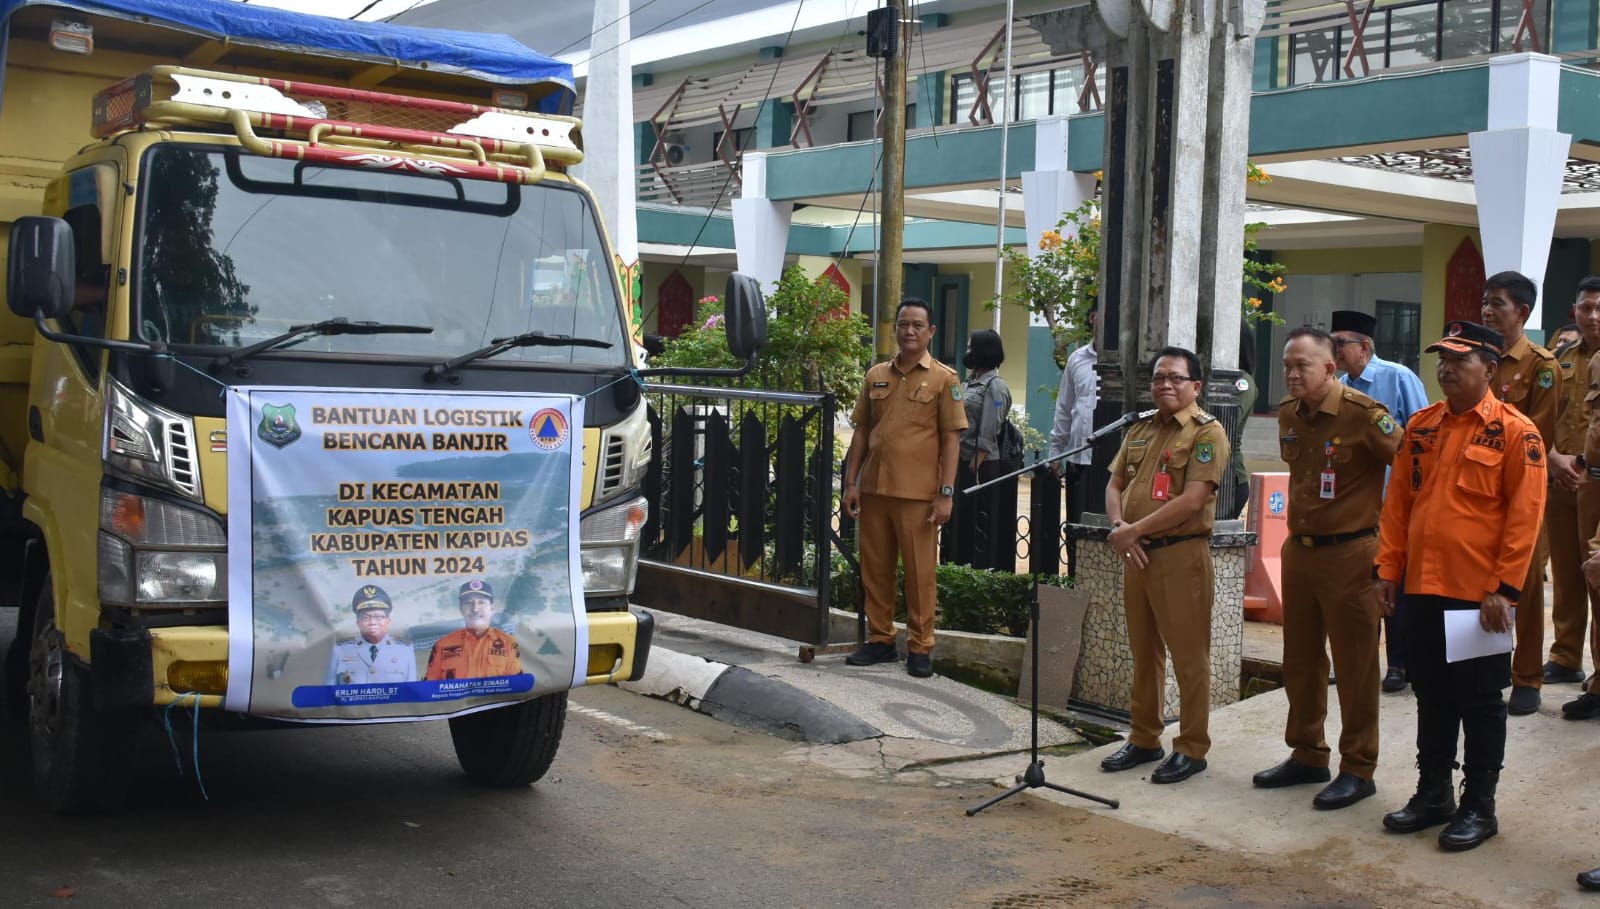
<point>891,215</point>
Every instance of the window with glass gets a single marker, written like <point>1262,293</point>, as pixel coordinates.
<point>1399,332</point>
<point>234,249</point>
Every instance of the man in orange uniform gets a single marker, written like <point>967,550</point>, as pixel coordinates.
<point>1337,443</point>
<point>1460,522</point>
<point>476,651</point>
<point>1161,501</point>
<point>903,455</point>
<point>1528,379</point>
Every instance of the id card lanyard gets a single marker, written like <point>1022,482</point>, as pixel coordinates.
<point>1161,484</point>
<point>1330,480</point>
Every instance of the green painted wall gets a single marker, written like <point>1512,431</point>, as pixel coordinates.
<point>1579,110</point>
<point>1336,115</point>
<point>1044,378</point>
<point>1569,263</point>
<point>931,160</point>
<point>1573,25</point>
<point>773,122</point>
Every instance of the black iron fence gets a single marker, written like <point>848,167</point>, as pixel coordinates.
<point>742,484</point>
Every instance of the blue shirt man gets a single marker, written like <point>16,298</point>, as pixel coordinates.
<point>1390,384</point>
<point>1398,389</point>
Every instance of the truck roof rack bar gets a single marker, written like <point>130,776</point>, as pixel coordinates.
<point>385,130</point>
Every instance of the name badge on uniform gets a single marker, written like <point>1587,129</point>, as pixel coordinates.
<point>1330,480</point>
<point>1161,483</point>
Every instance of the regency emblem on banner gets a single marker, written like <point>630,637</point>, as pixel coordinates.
<point>278,427</point>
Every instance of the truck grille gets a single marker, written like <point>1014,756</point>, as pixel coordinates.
<point>181,467</point>
<point>611,468</point>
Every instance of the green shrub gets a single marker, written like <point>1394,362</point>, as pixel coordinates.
<point>970,599</point>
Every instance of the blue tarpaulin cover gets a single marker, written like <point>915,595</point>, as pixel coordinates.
<point>495,58</point>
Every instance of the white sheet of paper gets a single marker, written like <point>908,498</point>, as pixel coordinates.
<point>1464,638</point>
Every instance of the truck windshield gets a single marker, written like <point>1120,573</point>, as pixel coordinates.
<point>234,249</point>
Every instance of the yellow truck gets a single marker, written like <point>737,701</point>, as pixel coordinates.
<point>202,195</point>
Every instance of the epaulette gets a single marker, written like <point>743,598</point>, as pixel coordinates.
<point>1541,351</point>
<point>1359,397</point>
<point>1203,418</point>
<point>343,641</point>
<point>1287,399</point>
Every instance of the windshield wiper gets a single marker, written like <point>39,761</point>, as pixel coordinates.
<point>339,326</point>
<point>501,345</point>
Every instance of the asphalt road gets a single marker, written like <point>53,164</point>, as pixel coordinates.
<point>648,804</point>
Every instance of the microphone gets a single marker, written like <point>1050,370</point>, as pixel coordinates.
<point>1121,423</point>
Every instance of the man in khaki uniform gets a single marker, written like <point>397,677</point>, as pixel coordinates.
<point>1161,501</point>
<point>1569,514</point>
<point>1529,380</point>
<point>899,479</point>
<point>1337,443</point>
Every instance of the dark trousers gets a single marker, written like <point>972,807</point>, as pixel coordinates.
<point>1454,699</point>
<point>1394,633</point>
<point>983,526</point>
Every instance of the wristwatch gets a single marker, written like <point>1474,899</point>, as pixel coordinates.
<point>947,490</point>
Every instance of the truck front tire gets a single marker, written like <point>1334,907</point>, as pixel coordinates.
<point>83,759</point>
<point>510,746</point>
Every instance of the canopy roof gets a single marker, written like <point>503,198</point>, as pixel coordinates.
<point>491,57</point>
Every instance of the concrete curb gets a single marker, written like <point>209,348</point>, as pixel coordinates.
<point>736,695</point>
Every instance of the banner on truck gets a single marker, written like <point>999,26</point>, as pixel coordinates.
<point>397,556</point>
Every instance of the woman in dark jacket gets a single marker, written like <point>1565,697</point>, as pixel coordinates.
<point>984,523</point>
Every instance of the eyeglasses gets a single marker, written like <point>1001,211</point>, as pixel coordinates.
<point>1340,342</point>
<point>1164,379</point>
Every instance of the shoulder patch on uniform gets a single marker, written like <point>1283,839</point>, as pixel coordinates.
<point>1534,447</point>
<point>1385,424</point>
<point>1547,377</point>
<point>1204,452</point>
<point>955,392</point>
<point>1242,384</point>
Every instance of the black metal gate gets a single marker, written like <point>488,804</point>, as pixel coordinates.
<point>741,491</point>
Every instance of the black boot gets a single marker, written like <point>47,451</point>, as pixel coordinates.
<point>1433,804</point>
<point>1474,821</point>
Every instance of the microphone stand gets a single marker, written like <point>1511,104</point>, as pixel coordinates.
<point>1122,422</point>
<point>1033,777</point>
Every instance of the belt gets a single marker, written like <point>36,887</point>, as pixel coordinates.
<point>1159,542</point>
<point>1334,539</point>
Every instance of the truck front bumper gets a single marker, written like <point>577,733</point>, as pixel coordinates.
<point>161,666</point>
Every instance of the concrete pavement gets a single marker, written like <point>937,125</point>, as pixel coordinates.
<point>758,681</point>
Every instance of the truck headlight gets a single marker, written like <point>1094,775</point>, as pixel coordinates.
<point>155,553</point>
<point>609,558</point>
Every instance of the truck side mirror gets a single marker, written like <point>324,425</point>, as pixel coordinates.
<point>42,271</point>
<point>744,315</point>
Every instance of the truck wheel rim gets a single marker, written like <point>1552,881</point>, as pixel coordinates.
<point>45,666</point>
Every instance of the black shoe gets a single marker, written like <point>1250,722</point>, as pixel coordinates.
<point>1473,823</point>
<point>1178,768</point>
<point>1523,701</point>
<point>1434,803</point>
<point>1345,790</point>
<point>1290,773</point>
<point>1130,756</point>
<point>919,665</point>
<point>1394,680</point>
<point>1557,674</point>
<point>1589,880</point>
<point>1586,707</point>
<point>873,653</point>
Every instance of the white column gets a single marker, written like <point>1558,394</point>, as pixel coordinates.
<point>760,226</point>
<point>609,155</point>
<point>1518,164</point>
<point>1051,191</point>
<point>1222,246</point>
